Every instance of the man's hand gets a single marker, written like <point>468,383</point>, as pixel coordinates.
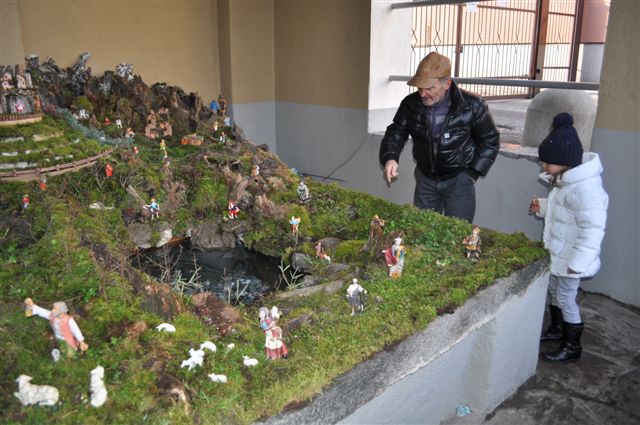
<point>390,170</point>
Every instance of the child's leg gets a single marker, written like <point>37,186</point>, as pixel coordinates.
<point>567,291</point>
<point>553,289</point>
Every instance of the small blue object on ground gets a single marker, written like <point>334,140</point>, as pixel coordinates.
<point>463,410</point>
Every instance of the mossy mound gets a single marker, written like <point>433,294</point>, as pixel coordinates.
<point>60,249</point>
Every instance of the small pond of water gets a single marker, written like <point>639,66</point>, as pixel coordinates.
<point>236,276</point>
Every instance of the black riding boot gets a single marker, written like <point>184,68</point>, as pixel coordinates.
<point>570,349</point>
<point>554,331</point>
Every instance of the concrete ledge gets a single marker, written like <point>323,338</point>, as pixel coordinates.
<point>477,356</point>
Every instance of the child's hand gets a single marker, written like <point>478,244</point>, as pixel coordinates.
<point>534,207</point>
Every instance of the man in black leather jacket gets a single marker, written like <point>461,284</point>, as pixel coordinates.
<point>454,140</point>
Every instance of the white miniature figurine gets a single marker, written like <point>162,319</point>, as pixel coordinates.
<point>196,359</point>
<point>218,378</point>
<point>41,395</point>
<point>98,390</point>
<point>248,361</point>
<point>166,327</point>
<point>119,123</point>
<point>209,346</point>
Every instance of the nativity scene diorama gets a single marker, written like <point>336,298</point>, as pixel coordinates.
<point>151,223</point>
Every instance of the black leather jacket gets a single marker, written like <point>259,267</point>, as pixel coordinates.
<point>470,139</point>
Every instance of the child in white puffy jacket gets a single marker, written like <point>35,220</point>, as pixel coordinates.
<point>575,214</point>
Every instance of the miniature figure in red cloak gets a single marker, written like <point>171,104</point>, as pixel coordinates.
<point>25,202</point>
<point>107,121</point>
<point>43,183</point>
<point>233,210</point>
<point>108,170</point>
<point>394,256</point>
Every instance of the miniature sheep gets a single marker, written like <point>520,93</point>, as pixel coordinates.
<point>166,327</point>
<point>196,359</point>
<point>98,390</point>
<point>249,362</point>
<point>41,395</point>
<point>218,378</point>
<point>209,346</point>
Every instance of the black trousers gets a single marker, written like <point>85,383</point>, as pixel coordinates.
<point>454,197</point>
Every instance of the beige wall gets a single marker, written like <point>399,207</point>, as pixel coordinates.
<point>619,94</point>
<point>167,41</point>
<point>247,50</point>
<point>322,52</point>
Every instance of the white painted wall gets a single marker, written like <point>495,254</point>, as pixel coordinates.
<point>258,121</point>
<point>389,55</point>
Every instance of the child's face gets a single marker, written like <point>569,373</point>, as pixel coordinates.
<point>554,169</point>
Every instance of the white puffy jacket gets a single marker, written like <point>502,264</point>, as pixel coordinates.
<point>575,214</point>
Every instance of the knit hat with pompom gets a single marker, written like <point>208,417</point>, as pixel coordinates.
<point>562,146</point>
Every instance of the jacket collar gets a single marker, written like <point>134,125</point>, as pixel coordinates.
<point>590,167</point>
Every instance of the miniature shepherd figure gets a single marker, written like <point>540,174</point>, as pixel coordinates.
<point>394,256</point>
<point>321,254</point>
<point>303,191</point>
<point>472,244</point>
<point>295,223</point>
<point>108,170</point>
<point>233,210</point>
<point>356,295</point>
<point>25,202</point>
<point>375,233</point>
<point>275,348</point>
<point>64,326</point>
<point>153,208</point>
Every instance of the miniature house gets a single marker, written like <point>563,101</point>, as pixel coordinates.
<point>19,99</point>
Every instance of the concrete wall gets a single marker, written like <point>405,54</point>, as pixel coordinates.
<point>616,138</point>
<point>173,41</point>
<point>477,356</point>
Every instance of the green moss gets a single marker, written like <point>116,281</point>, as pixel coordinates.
<point>59,249</point>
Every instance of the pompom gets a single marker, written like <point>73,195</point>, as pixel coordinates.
<point>563,119</point>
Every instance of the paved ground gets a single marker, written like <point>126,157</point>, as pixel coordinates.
<point>602,388</point>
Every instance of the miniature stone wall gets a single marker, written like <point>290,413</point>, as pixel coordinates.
<point>478,356</point>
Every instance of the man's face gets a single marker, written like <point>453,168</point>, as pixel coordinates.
<point>435,93</point>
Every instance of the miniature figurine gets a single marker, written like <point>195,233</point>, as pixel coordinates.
<point>321,254</point>
<point>295,222</point>
<point>63,325</point>
<point>43,183</point>
<point>375,233</point>
<point>25,202</point>
<point>472,244</point>
<point>233,210</point>
<point>135,150</point>
<point>534,207</point>
<point>394,255</point>
<point>303,191</point>
<point>275,348</point>
<point>222,105</point>
<point>107,121</point>
<point>129,133</point>
<point>223,137</point>
<point>215,125</point>
<point>214,106</point>
<point>163,144</point>
<point>356,295</point>
<point>82,114</point>
<point>108,170</point>
<point>255,172</point>
<point>119,123</point>
<point>153,208</point>
<point>19,106</point>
